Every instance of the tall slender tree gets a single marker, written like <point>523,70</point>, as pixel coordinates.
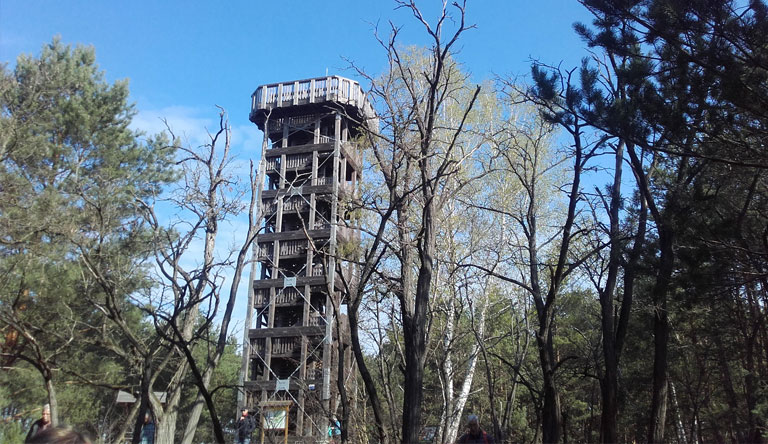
<point>70,170</point>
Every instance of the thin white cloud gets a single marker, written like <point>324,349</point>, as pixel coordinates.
<point>189,124</point>
<point>249,138</point>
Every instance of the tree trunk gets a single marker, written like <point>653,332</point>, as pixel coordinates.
<point>144,392</point>
<point>414,333</point>
<point>661,337</point>
<point>414,378</point>
<point>370,385</point>
<point>197,410</point>
<point>453,417</point>
<point>551,415</point>
<point>415,324</point>
<point>681,438</point>
<point>119,437</point>
<point>165,423</point>
<point>166,428</point>
<point>609,384</point>
<point>658,411</point>
<point>509,405</point>
<point>341,383</point>
<point>413,394</point>
<point>445,365</point>
<point>200,382</point>
<point>52,398</point>
<point>453,404</point>
<point>751,382</point>
<point>609,390</point>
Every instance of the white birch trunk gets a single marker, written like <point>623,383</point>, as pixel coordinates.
<point>460,400</point>
<point>679,421</point>
<point>446,370</point>
<point>463,395</point>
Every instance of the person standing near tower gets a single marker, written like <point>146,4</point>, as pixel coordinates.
<point>41,424</point>
<point>148,430</point>
<point>474,435</point>
<point>244,428</point>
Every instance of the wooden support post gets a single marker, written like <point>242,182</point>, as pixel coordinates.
<point>241,396</point>
<point>264,90</point>
<point>312,91</point>
<point>331,270</point>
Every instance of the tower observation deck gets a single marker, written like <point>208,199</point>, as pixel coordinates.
<point>296,331</point>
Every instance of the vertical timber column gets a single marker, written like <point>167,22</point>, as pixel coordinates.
<point>242,399</point>
<point>331,270</point>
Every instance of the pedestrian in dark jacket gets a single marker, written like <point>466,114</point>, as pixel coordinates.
<point>474,435</point>
<point>244,428</point>
<point>41,424</point>
<point>147,430</point>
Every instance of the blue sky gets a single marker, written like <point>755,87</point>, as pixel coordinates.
<point>184,58</point>
<point>199,54</point>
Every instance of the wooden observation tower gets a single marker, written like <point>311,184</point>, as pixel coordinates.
<point>295,327</point>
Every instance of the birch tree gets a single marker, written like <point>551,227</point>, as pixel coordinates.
<point>540,257</point>
<point>415,154</point>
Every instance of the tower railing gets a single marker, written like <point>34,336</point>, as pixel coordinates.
<point>317,90</point>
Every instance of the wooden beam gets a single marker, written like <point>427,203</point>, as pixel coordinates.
<point>302,330</point>
<point>299,149</point>
<point>278,283</point>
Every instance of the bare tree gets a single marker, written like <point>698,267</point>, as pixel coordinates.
<point>417,153</point>
<point>463,297</point>
<point>190,297</point>
<point>211,194</point>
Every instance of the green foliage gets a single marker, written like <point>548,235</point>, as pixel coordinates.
<point>12,432</point>
<point>21,391</point>
<point>679,83</point>
<point>73,176</point>
<point>690,90</point>
<point>68,148</point>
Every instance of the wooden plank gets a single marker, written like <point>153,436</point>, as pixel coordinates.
<point>283,332</point>
<point>278,283</point>
<point>268,259</point>
<point>306,190</point>
<point>294,384</point>
<point>299,149</point>
<point>312,91</point>
<point>264,97</point>
<point>294,235</point>
<point>349,151</point>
